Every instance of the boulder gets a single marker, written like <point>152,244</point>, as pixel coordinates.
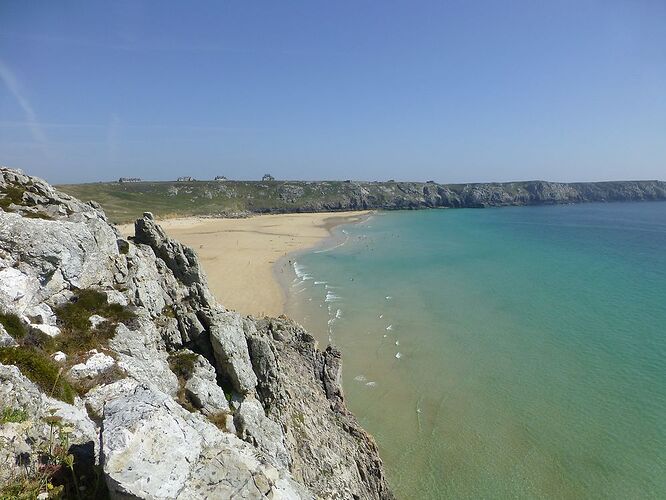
<point>95,365</point>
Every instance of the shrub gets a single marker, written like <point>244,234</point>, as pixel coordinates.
<point>77,335</point>
<point>13,325</point>
<point>38,367</point>
<point>13,194</point>
<point>37,215</point>
<point>219,419</point>
<point>182,364</point>
<point>13,415</point>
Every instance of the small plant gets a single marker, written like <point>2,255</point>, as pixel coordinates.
<point>77,334</point>
<point>13,325</point>
<point>37,366</point>
<point>219,419</point>
<point>182,364</point>
<point>13,194</point>
<point>13,415</point>
<point>36,215</point>
<point>168,311</point>
<point>53,469</point>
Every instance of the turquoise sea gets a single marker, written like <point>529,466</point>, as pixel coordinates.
<point>501,353</point>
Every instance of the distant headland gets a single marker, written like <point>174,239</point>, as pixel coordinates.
<point>126,199</point>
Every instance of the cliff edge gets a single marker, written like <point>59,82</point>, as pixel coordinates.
<point>121,376</point>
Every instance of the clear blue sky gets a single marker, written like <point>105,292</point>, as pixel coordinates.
<point>447,90</point>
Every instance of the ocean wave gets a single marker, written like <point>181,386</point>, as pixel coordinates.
<point>371,384</point>
<point>360,378</point>
<point>299,270</point>
<point>331,297</point>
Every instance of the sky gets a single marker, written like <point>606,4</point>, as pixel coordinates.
<point>451,91</point>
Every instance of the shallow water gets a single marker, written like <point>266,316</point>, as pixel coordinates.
<point>502,353</point>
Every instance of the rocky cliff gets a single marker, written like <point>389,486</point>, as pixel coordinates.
<point>121,375</point>
<point>128,201</point>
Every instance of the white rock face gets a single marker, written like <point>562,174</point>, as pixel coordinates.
<point>140,357</point>
<point>203,390</point>
<point>82,252</point>
<point>153,448</point>
<point>95,365</point>
<point>17,289</point>
<point>115,297</point>
<point>102,394</point>
<point>51,331</point>
<point>148,448</point>
<point>6,340</point>
<point>254,426</point>
<point>41,314</point>
<point>19,393</point>
<point>230,348</point>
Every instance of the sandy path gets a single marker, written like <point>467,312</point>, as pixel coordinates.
<point>238,254</point>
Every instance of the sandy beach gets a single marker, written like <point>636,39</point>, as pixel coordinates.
<point>238,255</point>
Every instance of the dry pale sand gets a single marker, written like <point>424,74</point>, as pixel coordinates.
<point>238,255</point>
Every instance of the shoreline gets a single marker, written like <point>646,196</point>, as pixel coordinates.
<point>243,257</point>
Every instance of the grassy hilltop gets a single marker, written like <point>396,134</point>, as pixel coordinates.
<point>124,202</point>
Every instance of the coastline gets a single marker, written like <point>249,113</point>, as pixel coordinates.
<point>243,258</point>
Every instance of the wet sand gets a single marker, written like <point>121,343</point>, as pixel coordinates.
<point>238,255</point>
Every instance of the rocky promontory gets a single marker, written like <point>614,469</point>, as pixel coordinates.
<point>121,376</point>
<point>125,202</point>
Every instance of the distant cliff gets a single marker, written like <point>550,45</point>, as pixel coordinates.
<point>126,202</point>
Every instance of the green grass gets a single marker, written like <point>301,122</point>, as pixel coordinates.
<point>75,314</point>
<point>126,202</point>
<point>38,367</point>
<point>12,194</point>
<point>77,335</point>
<point>13,415</point>
<point>182,364</point>
<point>36,215</point>
<point>32,355</point>
<point>13,325</point>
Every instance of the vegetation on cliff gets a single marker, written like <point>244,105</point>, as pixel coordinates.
<point>124,202</point>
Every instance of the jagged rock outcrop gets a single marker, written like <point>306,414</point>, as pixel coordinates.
<point>119,348</point>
